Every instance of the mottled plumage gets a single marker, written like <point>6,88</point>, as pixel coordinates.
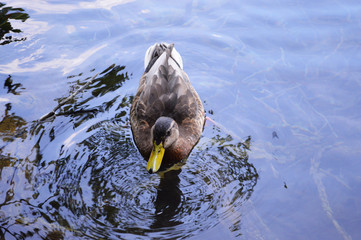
<point>165,90</point>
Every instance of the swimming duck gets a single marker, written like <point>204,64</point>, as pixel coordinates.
<point>167,115</point>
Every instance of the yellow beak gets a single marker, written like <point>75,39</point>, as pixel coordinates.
<point>156,158</point>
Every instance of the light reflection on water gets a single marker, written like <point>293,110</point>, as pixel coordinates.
<point>285,73</point>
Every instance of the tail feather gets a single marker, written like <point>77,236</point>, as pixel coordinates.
<point>156,50</point>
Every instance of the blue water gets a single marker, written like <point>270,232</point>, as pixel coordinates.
<point>281,80</point>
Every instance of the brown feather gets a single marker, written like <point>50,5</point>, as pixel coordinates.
<point>165,90</point>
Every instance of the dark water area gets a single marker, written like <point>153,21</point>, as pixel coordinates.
<point>279,159</point>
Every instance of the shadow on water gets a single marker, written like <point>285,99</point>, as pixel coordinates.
<point>79,175</point>
<point>168,200</point>
<point>6,14</point>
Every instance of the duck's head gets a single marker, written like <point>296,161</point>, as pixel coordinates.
<point>164,134</point>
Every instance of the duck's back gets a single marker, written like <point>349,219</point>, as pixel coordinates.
<point>167,90</point>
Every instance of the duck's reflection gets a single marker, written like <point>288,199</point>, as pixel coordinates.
<point>168,200</point>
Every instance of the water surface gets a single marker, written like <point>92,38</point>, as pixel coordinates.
<point>281,80</point>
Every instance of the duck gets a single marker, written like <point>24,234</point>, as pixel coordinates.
<point>167,115</point>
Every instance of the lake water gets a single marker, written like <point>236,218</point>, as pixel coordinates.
<point>280,159</point>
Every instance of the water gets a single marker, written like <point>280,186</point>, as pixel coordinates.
<point>281,80</point>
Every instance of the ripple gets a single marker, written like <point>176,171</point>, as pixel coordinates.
<point>208,190</point>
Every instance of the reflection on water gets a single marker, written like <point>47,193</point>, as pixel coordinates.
<point>12,87</point>
<point>79,173</point>
<point>11,125</point>
<point>7,14</point>
<point>168,200</point>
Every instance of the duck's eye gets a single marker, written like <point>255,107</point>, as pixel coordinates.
<point>168,133</point>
